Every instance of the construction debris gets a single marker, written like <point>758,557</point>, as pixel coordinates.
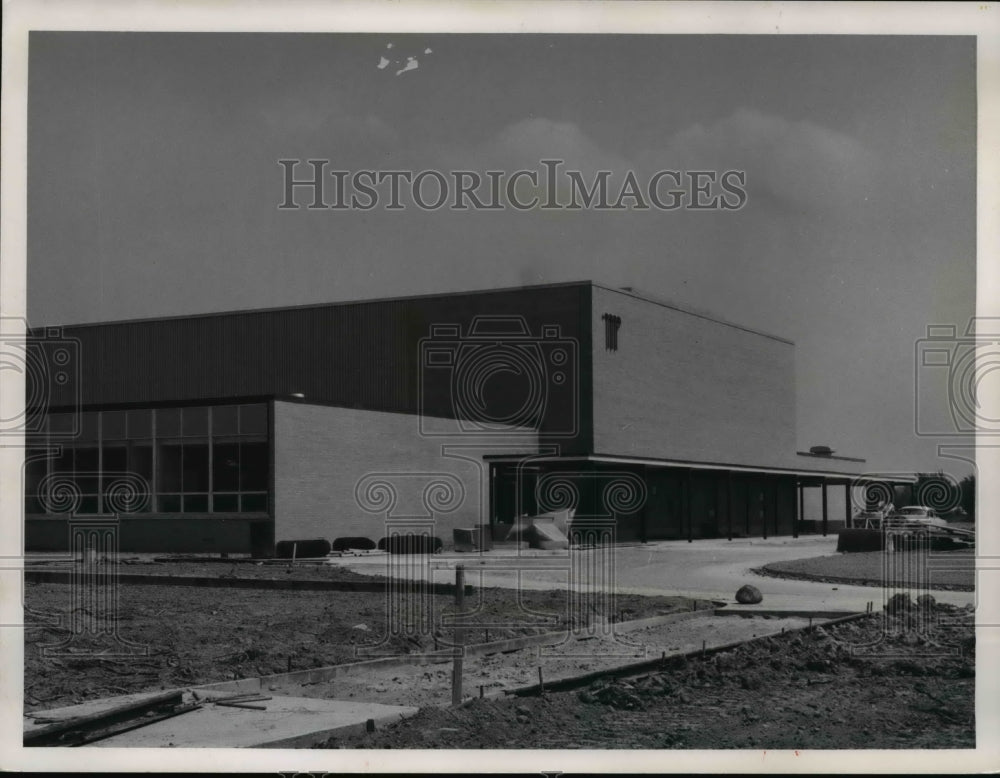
<point>106,723</point>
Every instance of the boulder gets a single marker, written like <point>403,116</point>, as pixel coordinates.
<point>749,595</point>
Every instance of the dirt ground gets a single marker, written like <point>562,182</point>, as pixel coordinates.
<point>218,568</point>
<point>579,653</point>
<point>172,636</point>
<point>877,682</point>
<point>946,570</point>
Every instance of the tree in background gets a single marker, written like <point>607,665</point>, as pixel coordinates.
<point>968,503</point>
<point>939,491</point>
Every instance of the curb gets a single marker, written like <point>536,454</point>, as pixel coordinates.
<point>573,682</point>
<point>66,577</point>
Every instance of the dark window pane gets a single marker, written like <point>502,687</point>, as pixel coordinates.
<point>112,425</point>
<point>88,426</point>
<point>125,496</point>
<point>34,470</point>
<point>225,420</point>
<point>61,424</point>
<point>253,419</point>
<point>85,461</point>
<point>33,505</point>
<point>196,468</point>
<point>88,505</point>
<point>253,467</point>
<point>140,423</point>
<point>226,503</point>
<point>253,503</point>
<point>140,460</point>
<point>196,421</point>
<point>115,459</point>
<point>63,464</point>
<point>168,503</point>
<point>196,503</point>
<point>168,422</point>
<point>226,467</point>
<point>87,484</point>
<point>168,458</point>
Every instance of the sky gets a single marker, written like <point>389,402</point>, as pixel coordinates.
<point>154,184</point>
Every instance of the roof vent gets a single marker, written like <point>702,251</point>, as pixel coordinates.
<point>821,451</point>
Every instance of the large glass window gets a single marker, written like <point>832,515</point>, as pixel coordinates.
<point>140,423</point>
<point>195,459</point>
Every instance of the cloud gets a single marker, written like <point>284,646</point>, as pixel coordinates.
<point>528,141</point>
<point>800,165</point>
<point>792,167</point>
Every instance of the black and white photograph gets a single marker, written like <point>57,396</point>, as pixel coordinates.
<point>534,386</point>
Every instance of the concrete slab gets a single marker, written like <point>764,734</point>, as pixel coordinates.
<point>287,722</point>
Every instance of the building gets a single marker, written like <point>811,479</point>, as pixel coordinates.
<point>228,432</point>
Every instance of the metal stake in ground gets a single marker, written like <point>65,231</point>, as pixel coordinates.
<point>456,668</point>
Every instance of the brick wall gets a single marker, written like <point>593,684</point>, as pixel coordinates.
<point>681,386</point>
<point>323,453</point>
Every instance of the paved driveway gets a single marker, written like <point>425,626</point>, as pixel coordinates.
<point>710,569</point>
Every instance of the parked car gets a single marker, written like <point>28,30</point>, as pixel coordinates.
<point>914,517</point>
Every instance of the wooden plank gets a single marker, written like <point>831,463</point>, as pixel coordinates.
<point>52,734</point>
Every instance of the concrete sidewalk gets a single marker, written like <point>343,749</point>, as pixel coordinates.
<point>705,569</point>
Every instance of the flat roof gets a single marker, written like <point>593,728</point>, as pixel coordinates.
<point>694,465</point>
<point>628,291</point>
<point>328,304</point>
<point>701,314</point>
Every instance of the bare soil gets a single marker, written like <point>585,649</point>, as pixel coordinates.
<point>871,683</point>
<point>222,570</point>
<point>169,636</point>
<point>576,654</point>
<point>946,570</point>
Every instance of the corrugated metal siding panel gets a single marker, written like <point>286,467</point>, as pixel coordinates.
<point>363,355</point>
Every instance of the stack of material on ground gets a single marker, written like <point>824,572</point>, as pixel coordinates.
<point>479,538</point>
<point>545,531</point>
<point>112,720</point>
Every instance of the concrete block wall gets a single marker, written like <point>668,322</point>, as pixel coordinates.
<point>684,387</point>
<point>322,453</point>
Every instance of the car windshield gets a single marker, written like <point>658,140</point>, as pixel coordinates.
<point>913,512</point>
